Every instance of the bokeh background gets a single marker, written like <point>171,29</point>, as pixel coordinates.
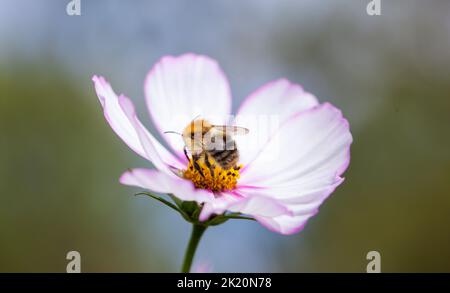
<point>60,161</point>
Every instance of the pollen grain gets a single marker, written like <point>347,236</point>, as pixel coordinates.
<point>214,178</point>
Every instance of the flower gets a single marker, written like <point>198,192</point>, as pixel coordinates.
<point>314,142</point>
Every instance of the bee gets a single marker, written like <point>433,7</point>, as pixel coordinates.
<point>211,144</point>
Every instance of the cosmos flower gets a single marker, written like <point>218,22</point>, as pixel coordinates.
<point>313,140</point>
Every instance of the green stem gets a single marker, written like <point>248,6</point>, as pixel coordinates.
<point>197,232</point>
<point>240,217</point>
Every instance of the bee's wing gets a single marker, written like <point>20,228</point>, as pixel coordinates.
<point>235,130</point>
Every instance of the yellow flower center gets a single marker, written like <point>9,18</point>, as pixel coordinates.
<point>214,178</point>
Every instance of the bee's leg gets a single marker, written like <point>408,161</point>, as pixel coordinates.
<point>197,167</point>
<point>208,164</point>
<point>186,154</point>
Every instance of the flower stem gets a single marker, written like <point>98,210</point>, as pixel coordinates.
<point>197,232</point>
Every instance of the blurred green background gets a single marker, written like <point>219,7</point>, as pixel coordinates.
<point>60,161</point>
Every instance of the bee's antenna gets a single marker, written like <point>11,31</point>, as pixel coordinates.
<point>172,132</point>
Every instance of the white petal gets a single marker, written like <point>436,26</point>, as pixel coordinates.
<point>219,205</point>
<point>128,126</point>
<point>312,147</point>
<point>245,204</point>
<point>160,182</point>
<point>179,89</point>
<point>284,224</point>
<point>312,151</point>
<point>265,110</point>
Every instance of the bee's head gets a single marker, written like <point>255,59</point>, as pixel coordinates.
<point>193,135</point>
